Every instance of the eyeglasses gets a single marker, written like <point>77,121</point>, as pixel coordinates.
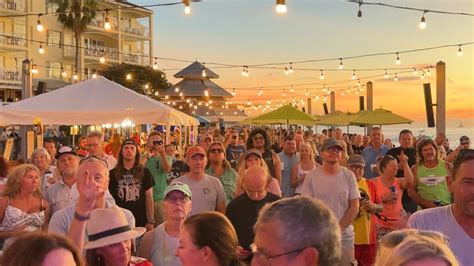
<point>216,150</point>
<point>265,259</point>
<point>174,200</point>
<point>258,137</point>
<point>465,143</point>
<point>333,150</point>
<point>102,160</point>
<point>356,167</point>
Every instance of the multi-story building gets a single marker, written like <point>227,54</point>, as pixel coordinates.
<point>129,40</point>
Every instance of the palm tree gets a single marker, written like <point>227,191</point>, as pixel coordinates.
<point>76,15</point>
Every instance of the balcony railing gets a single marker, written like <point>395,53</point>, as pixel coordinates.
<point>98,51</point>
<point>140,31</point>
<point>11,75</point>
<point>13,5</point>
<point>100,24</point>
<point>13,40</point>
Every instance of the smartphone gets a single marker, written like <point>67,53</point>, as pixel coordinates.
<point>157,142</point>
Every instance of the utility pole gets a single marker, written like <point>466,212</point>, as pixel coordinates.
<point>26,92</point>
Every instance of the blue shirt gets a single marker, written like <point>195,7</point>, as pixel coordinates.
<point>370,155</point>
<point>287,164</point>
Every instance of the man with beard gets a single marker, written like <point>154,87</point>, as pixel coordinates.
<point>456,221</point>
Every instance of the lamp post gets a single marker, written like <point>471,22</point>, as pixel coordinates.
<point>26,92</point>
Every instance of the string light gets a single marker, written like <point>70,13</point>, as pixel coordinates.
<point>102,59</point>
<point>422,75</point>
<point>75,77</point>
<point>176,89</point>
<point>156,93</point>
<point>291,68</point>
<point>321,77</point>
<point>155,64</point>
<point>396,77</point>
<point>386,74</point>
<point>281,7</point>
<point>306,93</point>
<point>233,92</point>
<point>422,24</point>
<point>354,75</point>
<point>203,72</point>
<point>94,76</point>
<point>245,71</point>
<point>415,72</point>
<point>206,93</point>
<point>41,49</point>
<point>341,66</point>
<point>129,76</point>
<point>291,89</point>
<point>316,98</point>
<point>107,25</point>
<point>358,83</point>
<point>34,70</point>
<point>63,73</point>
<point>398,61</point>
<point>428,72</point>
<point>359,13</point>
<point>39,26</point>
<point>187,8</point>
<point>286,71</point>
<point>260,92</point>
<point>284,93</point>
<point>459,50</point>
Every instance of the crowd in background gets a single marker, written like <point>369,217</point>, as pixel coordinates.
<point>263,196</point>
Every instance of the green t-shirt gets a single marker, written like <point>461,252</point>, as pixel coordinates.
<point>432,183</point>
<point>159,175</point>
<point>228,180</point>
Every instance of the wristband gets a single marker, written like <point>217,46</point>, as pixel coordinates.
<point>150,222</point>
<point>81,218</point>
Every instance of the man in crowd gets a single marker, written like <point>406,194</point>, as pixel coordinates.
<point>259,139</point>
<point>372,152</point>
<point>234,150</point>
<point>464,143</point>
<point>176,163</point>
<point>159,164</point>
<point>340,136</point>
<point>205,141</point>
<point>336,186</point>
<point>243,210</point>
<point>208,192</point>
<point>288,158</point>
<point>358,145</point>
<point>50,146</point>
<point>456,221</point>
<point>298,138</point>
<point>406,146</point>
<point>131,185</point>
<point>297,231</point>
<point>82,147</point>
<point>429,188</point>
<point>95,148</point>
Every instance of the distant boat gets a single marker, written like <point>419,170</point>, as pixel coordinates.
<point>460,124</point>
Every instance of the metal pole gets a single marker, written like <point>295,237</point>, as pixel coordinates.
<point>441,97</point>
<point>26,92</point>
<point>370,101</point>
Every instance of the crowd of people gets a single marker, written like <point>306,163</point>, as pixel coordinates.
<point>240,197</point>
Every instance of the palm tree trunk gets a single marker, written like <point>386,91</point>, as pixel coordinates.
<point>78,60</point>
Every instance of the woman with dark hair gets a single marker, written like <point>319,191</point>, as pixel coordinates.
<point>259,139</point>
<point>3,173</point>
<point>390,188</point>
<point>208,238</point>
<point>41,248</point>
<point>113,148</point>
<point>218,167</point>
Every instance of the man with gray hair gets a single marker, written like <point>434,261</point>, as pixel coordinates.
<point>95,142</point>
<point>297,231</point>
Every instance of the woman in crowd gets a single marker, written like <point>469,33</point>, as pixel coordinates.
<point>300,169</point>
<point>251,158</point>
<point>41,248</point>
<point>159,245</point>
<point>258,139</point>
<point>113,148</point>
<point>415,248</point>
<point>218,167</point>
<point>3,173</point>
<point>390,189</point>
<point>42,160</point>
<point>209,239</point>
<point>22,207</point>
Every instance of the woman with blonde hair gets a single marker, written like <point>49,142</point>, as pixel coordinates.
<point>22,207</point>
<point>113,148</point>
<point>254,157</point>
<point>415,248</point>
<point>42,160</point>
<point>305,165</point>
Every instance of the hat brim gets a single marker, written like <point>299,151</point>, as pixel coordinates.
<point>196,153</point>
<point>113,239</point>
<point>252,153</point>
<point>186,193</point>
<point>67,152</point>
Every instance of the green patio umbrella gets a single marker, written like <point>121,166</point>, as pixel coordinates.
<point>286,114</point>
<point>337,118</point>
<point>379,116</point>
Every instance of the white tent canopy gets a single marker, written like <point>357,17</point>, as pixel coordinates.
<point>92,102</point>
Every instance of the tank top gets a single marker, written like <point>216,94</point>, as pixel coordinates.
<point>163,248</point>
<point>300,173</point>
<point>392,211</point>
<point>15,218</point>
<point>432,183</point>
<point>267,157</point>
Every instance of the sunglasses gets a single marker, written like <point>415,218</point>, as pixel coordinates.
<point>174,200</point>
<point>465,143</point>
<point>216,150</point>
<point>333,150</point>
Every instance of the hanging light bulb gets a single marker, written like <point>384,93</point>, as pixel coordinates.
<point>249,102</point>
<point>63,73</point>
<point>386,74</point>
<point>398,60</point>
<point>291,89</point>
<point>317,98</point>
<point>260,92</point>
<point>203,72</point>
<point>428,72</point>
<point>94,75</point>
<point>396,77</point>
<point>107,25</point>
<point>176,89</point>
<point>156,93</point>
<point>354,75</point>
<point>102,59</point>
<point>324,88</point>
<point>459,51</point>
<point>155,64</point>
<point>291,68</point>
<point>34,70</point>
<point>281,7</point>
<point>422,24</point>
<point>206,93</point>
<point>41,49</point>
<point>75,77</point>
<point>342,93</point>
<point>306,93</point>
<point>39,26</point>
<point>321,76</point>
<point>415,72</point>
<point>243,72</point>
<point>286,71</point>
<point>284,93</point>
<point>341,66</point>
<point>325,98</point>
<point>359,13</point>
<point>422,75</point>
<point>233,92</point>
<point>358,83</point>
<point>129,76</point>
<point>187,8</point>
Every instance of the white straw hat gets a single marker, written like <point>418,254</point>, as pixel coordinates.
<point>109,226</point>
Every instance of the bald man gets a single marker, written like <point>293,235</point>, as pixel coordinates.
<point>243,210</point>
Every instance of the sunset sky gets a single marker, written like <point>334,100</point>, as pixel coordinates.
<point>246,32</point>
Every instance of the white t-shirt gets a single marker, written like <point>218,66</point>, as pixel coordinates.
<point>206,192</point>
<point>335,191</point>
<point>441,219</point>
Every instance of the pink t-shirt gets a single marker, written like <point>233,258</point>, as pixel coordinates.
<point>391,210</point>
<point>273,187</point>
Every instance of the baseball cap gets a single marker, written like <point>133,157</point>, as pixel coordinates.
<point>178,186</point>
<point>129,142</point>
<point>65,150</point>
<point>464,139</point>
<point>252,152</point>
<point>356,159</point>
<point>331,142</point>
<point>195,150</point>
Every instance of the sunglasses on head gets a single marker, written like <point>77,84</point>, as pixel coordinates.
<point>101,160</point>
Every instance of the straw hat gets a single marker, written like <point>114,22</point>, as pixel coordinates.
<point>109,226</point>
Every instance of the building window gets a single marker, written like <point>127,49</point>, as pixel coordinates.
<point>54,38</point>
<point>51,6</point>
<point>54,70</point>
